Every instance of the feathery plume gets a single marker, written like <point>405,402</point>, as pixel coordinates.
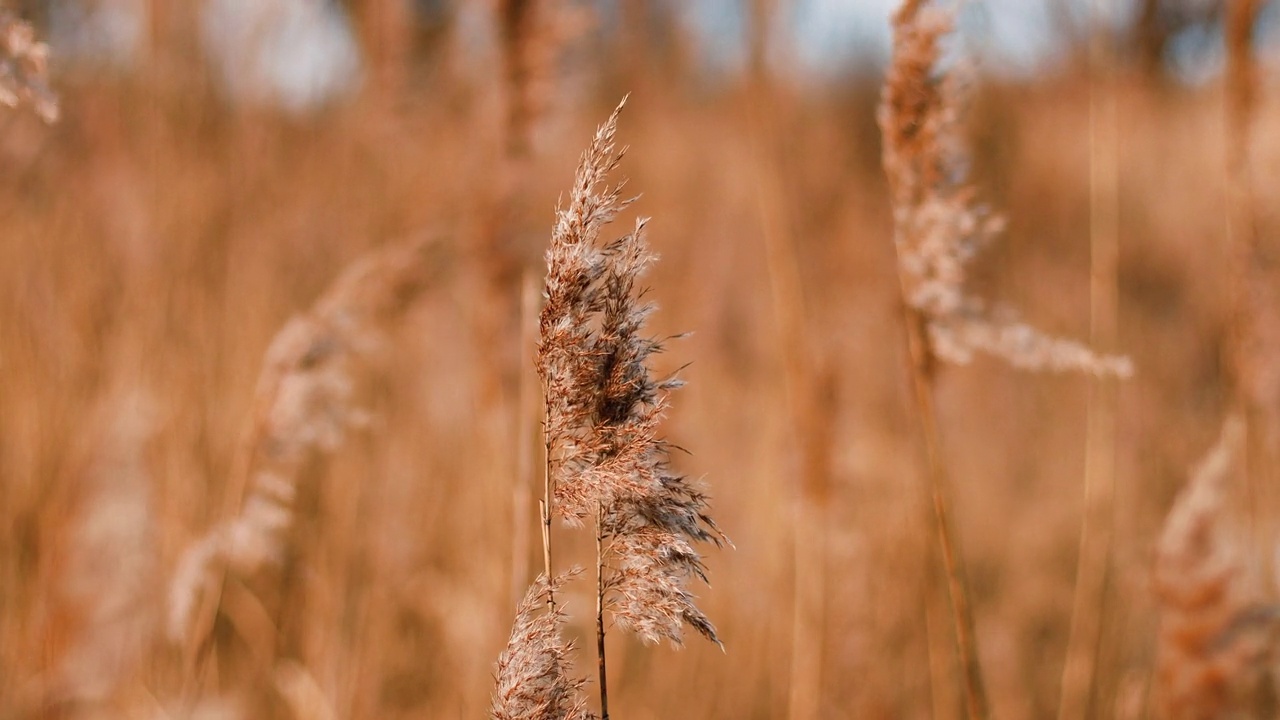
<point>939,226</point>
<point>535,679</point>
<point>604,409</point>
<point>1214,636</point>
<point>604,457</point>
<point>308,398</point>
<point>24,69</point>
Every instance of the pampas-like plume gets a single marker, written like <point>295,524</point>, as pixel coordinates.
<point>604,457</point>
<point>535,679</point>
<point>306,401</point>
<point>1214,639</point>
<point>24,69</point>
<point>938,224</point>
<point>604,408</point>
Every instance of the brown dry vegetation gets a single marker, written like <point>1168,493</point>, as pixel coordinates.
<point>156,240</point>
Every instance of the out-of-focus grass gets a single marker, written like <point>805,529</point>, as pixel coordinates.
<point>156,240</point>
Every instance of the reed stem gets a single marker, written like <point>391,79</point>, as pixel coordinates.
<point>1097,526</point>
<point>604,683</point>
<point>544,506</point>
<point>976,704</point>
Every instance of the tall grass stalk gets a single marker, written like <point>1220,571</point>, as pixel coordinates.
<point>1254,322</point>
<point>808,424</point>
<point>908,102</point>
<point>1094,559</point>
<point>809,416</point>
<point>526,425</point>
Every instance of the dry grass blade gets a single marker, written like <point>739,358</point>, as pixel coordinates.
<point>304,697</point>
<point>535,669</point>
<point>1094,561</point>
<point>1254,328</point>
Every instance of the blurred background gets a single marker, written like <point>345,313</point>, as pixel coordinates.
<point>218,163</point>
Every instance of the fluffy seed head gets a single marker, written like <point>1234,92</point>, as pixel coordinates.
<point>605,407</point>
<point>939,226</point>
<point>535,679</point>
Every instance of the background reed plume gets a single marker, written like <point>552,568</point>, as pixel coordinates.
<point>24,68</point>
<point>939,224</point>
<point>1216,638</point>
<point>605,459</point>
<point>309,396</point>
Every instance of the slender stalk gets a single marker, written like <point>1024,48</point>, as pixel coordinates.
<point>1251,271</point>
<point>604,682</point>
<point>544,507</point>
<point>922,362</point>
<point>943,697</point>
<point>810,419</point>
<point>1097,527</point>
<point>526,439</point>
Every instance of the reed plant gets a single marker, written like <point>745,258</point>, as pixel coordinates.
<point>606,464</point>
<point>939,227</point>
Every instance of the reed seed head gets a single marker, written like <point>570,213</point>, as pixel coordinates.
<point>605,408</point>
<point>535,680</point>
<point>1215,638</point>
<point>939,225</point>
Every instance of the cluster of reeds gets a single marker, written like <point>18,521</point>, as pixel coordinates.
<point>607,467</point>
<point>605,460</point>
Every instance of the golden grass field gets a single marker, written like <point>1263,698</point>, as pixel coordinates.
<point>156,239</point>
